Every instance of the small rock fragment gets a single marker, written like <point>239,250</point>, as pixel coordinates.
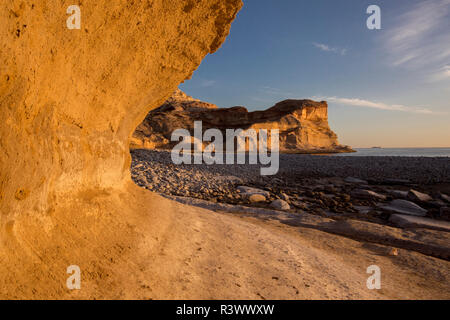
<point>393,252</point>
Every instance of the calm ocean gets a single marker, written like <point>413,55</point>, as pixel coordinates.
<point>398,152</point>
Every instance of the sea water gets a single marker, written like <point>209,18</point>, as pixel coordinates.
<point>398,152</point>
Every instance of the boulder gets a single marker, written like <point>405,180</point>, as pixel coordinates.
<point>254,198</point>
<point>248,191</point>
<point>399,194</point>
<point>444,197</point>
<point>404,207</point>
<point>407,221</point>
<point>367,194</point>
<point>415,195</point>
<point>280,205</point>
<point>300,205</point>
<point>355,180</point>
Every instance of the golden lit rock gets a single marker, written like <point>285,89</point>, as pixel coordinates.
<point>69,102</point>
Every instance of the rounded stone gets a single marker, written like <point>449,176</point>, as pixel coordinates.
<point>280,205</point>
<point>257,198</point>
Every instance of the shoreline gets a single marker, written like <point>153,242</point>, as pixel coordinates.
<point>376,169</point>
<point>323,210</point>
<point>333,152</point>
<point>338,187</point>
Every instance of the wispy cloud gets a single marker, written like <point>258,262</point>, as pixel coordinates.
<point>420,37</point>
<point>269,94</point>
<point>440,75</point>
<point>262,100</point>
<point>275,92</point>
<point>327,48</point>
<point>357,102</point>
<point>207,83</point>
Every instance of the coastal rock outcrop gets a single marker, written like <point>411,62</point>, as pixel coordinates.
<point>69,102</point>
<point>302,124</point>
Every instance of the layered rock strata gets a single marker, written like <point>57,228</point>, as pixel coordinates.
<point>69,103</point>
<point>302,124</point>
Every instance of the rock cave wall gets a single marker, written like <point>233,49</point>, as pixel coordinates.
<point>69,103</point>
<point>70,99</point>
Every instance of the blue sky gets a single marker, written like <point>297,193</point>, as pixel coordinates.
<point>388,87</point>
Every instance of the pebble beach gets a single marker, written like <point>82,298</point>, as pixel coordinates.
<point>365,188</point>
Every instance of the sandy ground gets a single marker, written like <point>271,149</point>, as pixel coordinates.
<point>236,257</point>
<point>160,249</point>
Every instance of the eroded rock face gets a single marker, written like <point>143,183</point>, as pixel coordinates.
<point>70,100</point>
<point>303,124</point>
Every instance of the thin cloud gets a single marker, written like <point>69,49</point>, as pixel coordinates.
<point>420,37</point>
<point>441,74</point>
<point>327,48</point>
<point>207,83</point>
<point>275,92</point>
<point>356,102</point>
<point>259,99</point>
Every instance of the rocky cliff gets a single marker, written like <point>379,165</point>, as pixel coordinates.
<point>69,102</point>
<point>303,124</point>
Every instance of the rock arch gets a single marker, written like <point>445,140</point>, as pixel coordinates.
<point>69,102</point>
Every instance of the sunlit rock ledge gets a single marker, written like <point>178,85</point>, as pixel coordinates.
<point>302,124</point>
